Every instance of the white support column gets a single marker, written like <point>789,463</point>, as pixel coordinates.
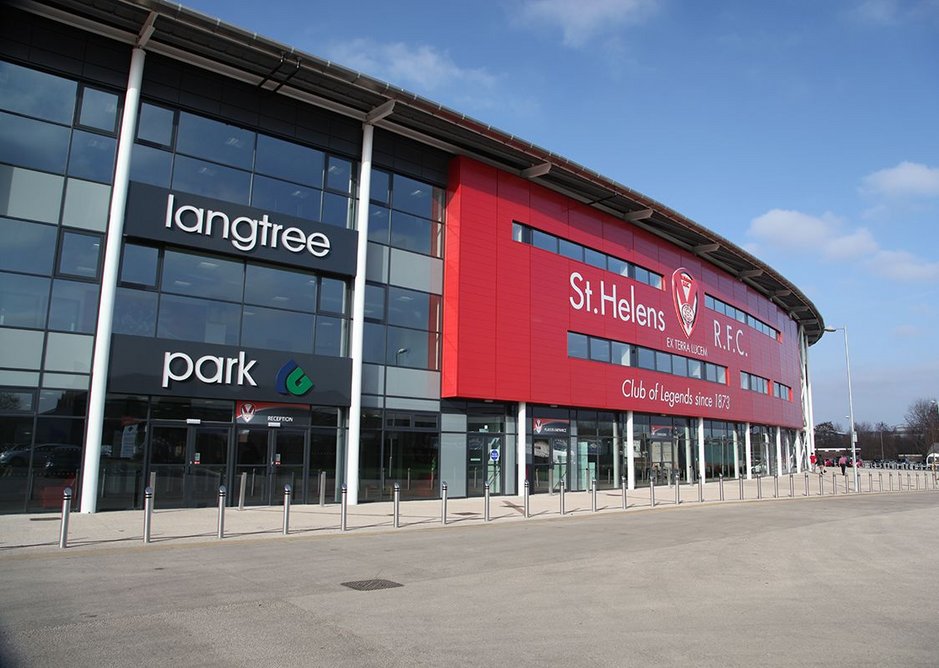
<point>748,452</point>
<point>808,411</point>
<point>701,462</point>
<point>358,317</point>
<point>522,446</point>
<point>109,276</point>
<point>630,452</point>
<point>779,461</point>
<point>617,453</point>
<point>736,440</point>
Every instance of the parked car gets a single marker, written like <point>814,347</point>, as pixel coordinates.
<point>53,460</point>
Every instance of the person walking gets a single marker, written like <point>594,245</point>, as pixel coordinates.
<point>813,460</point>
<point>843,463</point>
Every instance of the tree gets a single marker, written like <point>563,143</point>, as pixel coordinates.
<point>922,424</point>
<point>829,435</point>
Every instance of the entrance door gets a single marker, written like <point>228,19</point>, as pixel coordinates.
<point>190,463</point>
<point>481,467</point>
<point>269,459</point>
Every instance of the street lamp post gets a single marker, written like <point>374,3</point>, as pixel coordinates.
<point>847,364</point>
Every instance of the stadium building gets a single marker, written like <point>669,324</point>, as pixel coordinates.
<point>224,257</point>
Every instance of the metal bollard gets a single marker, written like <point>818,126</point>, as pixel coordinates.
<point>397,506</point>
<point>806,484</point>
<point>222,493</point>
<point>847,483</point>
<point>343,508</point>
<point>486,494</point>
<point>917,482</point>
<point>153,478</point>
<point>792,486</point>
<point>775,486</point>
<point>527,499</point>
<point>147,513</point>
<point>740,485</point>
<point>443,502</point>
<point>890,480</point>
<point>880,480</point>
<point>870,482</point>
<point>720,485</point>
<point>700,490</point>
<point>908,488</point>
<point>834,484</point>
<point>288,492</point>
<point>593,494</point>
<point>677,492</point>
<point>759,487</point>
<point>820,490</point>
<point>623,485</point>
<point>322,488</point>
<point>66,509</point>
<point>652,494</point>
<point>241,491</point>
<point>561,489</point>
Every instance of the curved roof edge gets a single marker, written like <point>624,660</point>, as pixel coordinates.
<point>188,35</point>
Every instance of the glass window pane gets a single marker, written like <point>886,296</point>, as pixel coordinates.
<point>619,353</point>
<point>30,194</point>
<point>577,345</point>
<point>13,401</point>
<point>545,241</point>
<point>205,178</point>
<point>98,110</point>
<point>412,196</point>
<point>571,250</point>
<point>642,275</point>
<point>694,368</point>
<point>289,161</point>
<point>375,302</point>
<point>379,224</point>
<point>202,276</point>
<point>595,258</point>
<point>155,125</point>
<point>79,254</point>
<point>277,330</point>
<point>140,265</point>
<point>332,295</point>
<point>216,141</point>
<point>663,362</point>
<point>92,156</point>
<point>373,343</point>
<point>23,300</point>
<point>337,210</point>
<point>409,308</point>
<point>288,198</point>
<point>29,143</point>
<point>380,190</point>
<point>520,233</point>
<point>599,350</point>
<point>151,165</point>
<point>411,348</point>
<point>191,319</point>
<point>38,94</point>
<point>328,336</point>
<point>617,266</point>
<point>27,247</point>
<point>710,372</point>
<point>679,366</point>
<point>655,280</point>
<point>339,174</point>
<point>135,312</point>
<point>646,358</point>
<point>280,288</point>
<point>74,307</point>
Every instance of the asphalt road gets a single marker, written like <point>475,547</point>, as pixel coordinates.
<point>844,580</point>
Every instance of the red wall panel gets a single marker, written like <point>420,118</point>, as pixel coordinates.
<point>508,308</point>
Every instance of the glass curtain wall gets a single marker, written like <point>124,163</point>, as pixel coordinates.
<point>762,450</point>
<point>402,448</point>
<point>722,449</point>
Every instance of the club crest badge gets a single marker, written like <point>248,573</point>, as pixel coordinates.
<point>685,293</point>
<point>247,412</point>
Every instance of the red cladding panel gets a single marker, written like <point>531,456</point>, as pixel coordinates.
<point>508,309</point>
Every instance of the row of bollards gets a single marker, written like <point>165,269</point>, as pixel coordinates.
<point>929,481</point>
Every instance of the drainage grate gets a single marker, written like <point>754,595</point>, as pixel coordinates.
<point>465,514</point>
<point>43,519</point>
<point>371,585</point>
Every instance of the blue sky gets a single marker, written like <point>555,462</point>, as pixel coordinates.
<point>806,132</point>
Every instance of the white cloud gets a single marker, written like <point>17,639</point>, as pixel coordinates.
<point>908,179</point>
<point>827,237</point>
<point>904,266</point>
<point>891,12</point>
<point>422,68</point>
<point>825,234</point>
<point>583,20</point>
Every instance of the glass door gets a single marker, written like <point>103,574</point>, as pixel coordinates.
<point>190,463</point>
<point>269,459</point>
